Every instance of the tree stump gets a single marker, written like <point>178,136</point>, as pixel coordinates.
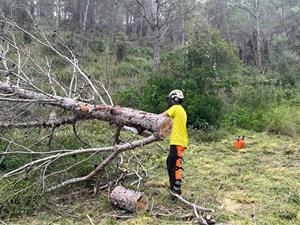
<point>133,201</point>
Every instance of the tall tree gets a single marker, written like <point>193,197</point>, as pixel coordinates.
<point>254,10</point>
<point>160,15</point>
<point>84,23</point>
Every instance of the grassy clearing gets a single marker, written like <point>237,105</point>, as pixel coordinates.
<point>257,185</point>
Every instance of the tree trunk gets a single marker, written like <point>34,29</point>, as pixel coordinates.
<point>182,31</point>
<point>83,28</point>
<point>141,39</point>
<point>58,14</point>
<point>113,22</point>
<point>156,48</point>
<point>135,202</point>
<point>2,23</point>
<point>158,124</point>
<point>259,38</point>
<point>156,35</point>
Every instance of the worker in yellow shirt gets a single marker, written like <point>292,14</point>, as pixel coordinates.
<point>178,139</point>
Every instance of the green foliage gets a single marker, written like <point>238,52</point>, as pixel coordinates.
<point>284,119</point>
<point>283,61</point>
<point>154,95</point>
<point>208,48</point>
<point>258,103</point>
<point>202,69</point>
<point>203,110</point>
<point>131,68</point>
<point>246,119</point>
<point>121,46</point>
<point>98,45</point>
<point>20,196</point>
<point>209,134</point>
<point>280,119</point>
<point>260,95</point>
<point>138,51</point>
<point>129,98</point>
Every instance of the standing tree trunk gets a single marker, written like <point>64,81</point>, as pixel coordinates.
<point>259,35</point>
<point>83,28</point>
<point>1,24</point>
<point>182,30</point>
<point>141,39</point>
<point>156,48</point>
<point>113,22</point>
<point>58,14</point>
<point>156,35</point>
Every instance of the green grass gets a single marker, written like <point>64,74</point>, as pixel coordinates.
<point>258,184</point>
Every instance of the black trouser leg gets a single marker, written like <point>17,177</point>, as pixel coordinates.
<point>171,165</point>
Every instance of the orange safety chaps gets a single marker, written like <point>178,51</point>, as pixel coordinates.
<point>174,166</point>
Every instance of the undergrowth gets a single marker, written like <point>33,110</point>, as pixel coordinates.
<point>257,185</point>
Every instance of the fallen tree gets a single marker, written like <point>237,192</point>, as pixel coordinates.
<point>28,86</point>
<point>25,83</point>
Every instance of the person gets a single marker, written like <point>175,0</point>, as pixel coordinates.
<point>178,139</point>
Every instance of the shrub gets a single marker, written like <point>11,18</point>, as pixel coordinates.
<point>245,118</point>
<point>127,70</point>
<point>259,95</point>
<point>133,66</point>
<point>97,46</point>
<point>208,135</point>
<point>203,110</point>
<point>202,69</point>
<point>284,120</point>
<point>129,98</point>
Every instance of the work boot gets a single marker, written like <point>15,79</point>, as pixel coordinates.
<point>177,187</point>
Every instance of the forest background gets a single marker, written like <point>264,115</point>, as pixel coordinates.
<point>237,61</point>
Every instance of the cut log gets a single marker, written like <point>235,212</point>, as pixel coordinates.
<point>133,201</point>
<point>121,116</point>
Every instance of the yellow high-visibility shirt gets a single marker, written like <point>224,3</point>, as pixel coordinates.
<point>179,133</point>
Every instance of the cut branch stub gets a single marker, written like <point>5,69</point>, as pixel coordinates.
<point>130,200</point>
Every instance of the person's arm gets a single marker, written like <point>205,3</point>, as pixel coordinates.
<point>164,114</point>
<point>170,112</point>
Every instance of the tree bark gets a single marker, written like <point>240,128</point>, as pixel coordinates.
<point>58,14</point>
<point>43,124</point>
<point>135,202</point>
<point>83,28</point>
<point>259,38</point>
<point>122,116</point>
<point>156,35</point>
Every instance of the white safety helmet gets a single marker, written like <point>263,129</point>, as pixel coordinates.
<point>176,94</point>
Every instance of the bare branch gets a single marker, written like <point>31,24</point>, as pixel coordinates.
<point>42,124</point>
<point>144,13</point>
<point>180,198</point>
<point>117,150</point>
<point>243,7</point>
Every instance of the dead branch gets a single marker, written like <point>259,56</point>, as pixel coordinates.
<point>117,150</point>
<point>66,153</point>
<point>42,124</point>
<point>199,218</point>
<point>76,134</point>
<point>180,198</point>
<point>91,221</point>
<point>117,139</point>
